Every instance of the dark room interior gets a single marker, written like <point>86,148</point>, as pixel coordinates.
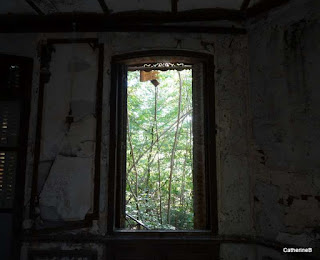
<point>159,129</point>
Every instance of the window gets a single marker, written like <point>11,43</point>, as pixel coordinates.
<point>15,85</point>
<point>15,79</point>
<point>159,181</point>
<point>162,143</point>
<point>9,142</point>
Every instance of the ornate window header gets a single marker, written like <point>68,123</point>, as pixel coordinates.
<point>161,66</point>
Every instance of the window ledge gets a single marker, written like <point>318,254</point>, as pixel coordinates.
<point>162,234</point>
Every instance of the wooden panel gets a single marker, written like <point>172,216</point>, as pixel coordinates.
<point>199,176</point>
<point>62,255</point>
<point>190,257</point>
<point>163,250</point>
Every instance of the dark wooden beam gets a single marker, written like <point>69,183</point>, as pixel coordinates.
<point>35,7</point>
<point>104,6</point>
<point>174,6</point>
<point>101,23</point>
<point>209,14</point>
<point>264,6</point>
<point>244,5</point>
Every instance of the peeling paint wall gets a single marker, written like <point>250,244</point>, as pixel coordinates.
<point>284,51</point>
<point>66,166</point>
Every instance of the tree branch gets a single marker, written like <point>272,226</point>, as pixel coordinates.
<point>174,148</point>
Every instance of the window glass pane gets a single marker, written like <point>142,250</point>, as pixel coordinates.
<point>159,163</point>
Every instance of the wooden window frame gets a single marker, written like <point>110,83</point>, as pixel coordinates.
<point>45,57</point>
<point>116,176</point>
<point>23,95</point>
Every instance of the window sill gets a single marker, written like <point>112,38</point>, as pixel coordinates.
<point>163,234</point>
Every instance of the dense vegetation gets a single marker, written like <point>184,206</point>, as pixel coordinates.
<point>159,151</point>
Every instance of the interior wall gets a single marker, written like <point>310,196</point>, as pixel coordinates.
<point>266,127</point>
<point>231,73</point>
<point>67,150</point>
<point>284,87</point>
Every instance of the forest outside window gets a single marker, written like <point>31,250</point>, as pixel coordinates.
<point>163,178</point>
<point>159,183</point>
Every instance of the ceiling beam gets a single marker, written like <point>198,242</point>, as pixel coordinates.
<point>35,7</point>
<point>264,6</point>
<point>213,14</point>
<point>104,6</point>
<point>96,23</point>
<point>244,5</point>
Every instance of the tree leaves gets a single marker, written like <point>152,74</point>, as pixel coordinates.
<point>157,140</point>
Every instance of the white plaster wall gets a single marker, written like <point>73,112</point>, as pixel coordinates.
<point>66,167</point>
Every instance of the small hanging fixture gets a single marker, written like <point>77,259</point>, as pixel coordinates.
<point>151,76</point>
<point>155,82</point>
<point>148,75</point>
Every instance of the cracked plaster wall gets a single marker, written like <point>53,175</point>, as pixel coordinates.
<point>284,51</point>
<point>66,166</point>
<point>231,82</point>
<point>242,161</point>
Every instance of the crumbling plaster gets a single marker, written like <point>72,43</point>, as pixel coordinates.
<point>66,166</point>
<point>284,74</point>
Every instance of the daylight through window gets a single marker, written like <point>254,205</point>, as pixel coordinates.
<point>159,149</point>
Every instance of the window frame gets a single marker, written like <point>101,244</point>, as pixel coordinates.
<point>116,180</point>
<point>23,96</point>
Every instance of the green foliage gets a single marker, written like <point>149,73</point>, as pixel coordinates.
<point>152,131</point>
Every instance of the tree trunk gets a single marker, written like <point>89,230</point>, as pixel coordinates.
<point>174,149</point>
<point>135,193</point>
<point>158,153</point>
<point>184,173</point>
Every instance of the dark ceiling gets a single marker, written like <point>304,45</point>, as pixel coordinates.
<point>120,15</point>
